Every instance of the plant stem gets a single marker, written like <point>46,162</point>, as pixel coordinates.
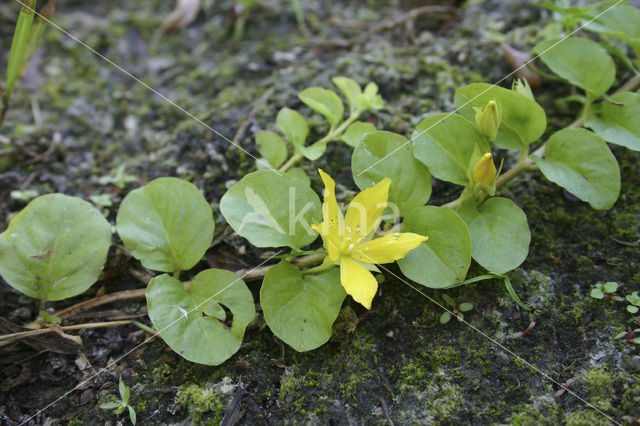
<point>99,301</point>
<point>23,334</point>
<point>325,266</point>
<point>145,328</point>
<point>295,158</point>
<point>330,137</point>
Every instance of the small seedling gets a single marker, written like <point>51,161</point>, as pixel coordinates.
<point>526,332</point>
<point>634,302</point>
<point>605,291</point>
<point>455,308</point>
<point>629,335</point>
<point>118,177</point>
<point>123,404</point>
<point>565,387</point>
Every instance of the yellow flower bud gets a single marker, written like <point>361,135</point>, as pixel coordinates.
<point>488,120</point>
<point>485,171</point>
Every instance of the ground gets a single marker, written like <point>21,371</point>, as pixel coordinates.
<point>78,119</point>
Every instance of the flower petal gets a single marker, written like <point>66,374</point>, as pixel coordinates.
<point>357,281</point>
<point>387,249</point>
<point>331,227</point>
<point>363,213</point>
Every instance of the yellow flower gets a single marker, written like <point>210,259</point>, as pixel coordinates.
<point>488,120</point>
<point>344,238</point>
<point>485,171</point>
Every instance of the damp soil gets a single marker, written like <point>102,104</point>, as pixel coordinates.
<point>77,119</point>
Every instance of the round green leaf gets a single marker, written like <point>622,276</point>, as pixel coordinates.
<point>300,309</point>
<point>597,293</point>
<point>582,163</point>
<point>632,309</point>
<point>194,322</point>
<point>356,131</point>
<point>448,144</point>
<point>324,102</point>
<point>499,231</point>
<point>522,120</point>
<point>618,124</point>
<point>444,259</point>
<point>620,21</point>
<point>272,210</point>
<point>272,147</point>
<point>55,247</point>
<point>167,224</point>
<point>386,154</point>
<point>580,61</point>
<point>299,173</point>
<point>610,286</point>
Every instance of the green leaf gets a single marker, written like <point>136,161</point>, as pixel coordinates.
<point>369,99</point>
<point>110,405</point>
<point>610,287</point>
<point>19,44</point>
<point>324,102</point>
<point>465,307</point>
<point>622,21</point>
<point>293,125</point>
<point>300,309</point>
<point>132,414</point>
<point>633,298</point>
<point>192,321</point>
<point>596,293</point>
<point>299,173</point>
<point>499,231</point>
<point>448,144</point>
<point>445,318</point>
<point>350,89</point>
<point>167,224</point>
<point>386,154</point>
<point>580,61</point>
<point>272,147</point>
<point>272,210</point>
<point>513,294</point>
<point>522,120</point>
<point>632,309</point>
<point>445,257</point>
<point>582,163</point>
<point>296,129</point>
<point>125,392</point>
<point>54,248</point>
<point>355,132</point>
<point>618,124</point>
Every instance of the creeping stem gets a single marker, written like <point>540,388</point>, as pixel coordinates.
<point>303,262</point>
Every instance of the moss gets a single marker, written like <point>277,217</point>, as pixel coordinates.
<point>586,417</point>
<point>443,400</point>
<point>201,400</point>
<point>543,412</point>
<point>445,355</point>
<point>599,387</point>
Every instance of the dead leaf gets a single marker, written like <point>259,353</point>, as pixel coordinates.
<point>278,363</point>
<point>518,60</point>
<point>182,15</point>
